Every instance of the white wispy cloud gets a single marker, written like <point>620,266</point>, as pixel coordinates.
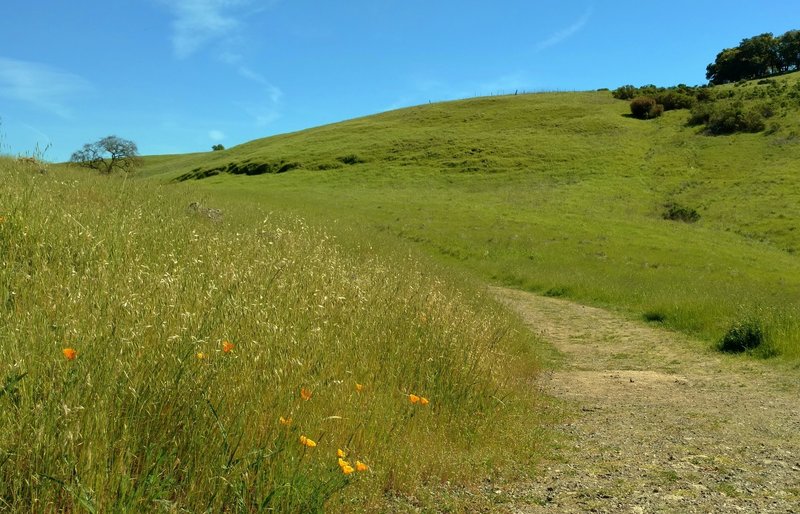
<point>38,84</point>
<point>199,22</point>
<point>237,61</point>
<point>566,33</point>
<point>216,135</point>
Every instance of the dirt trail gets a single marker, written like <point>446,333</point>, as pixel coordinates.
<point>662,423</point>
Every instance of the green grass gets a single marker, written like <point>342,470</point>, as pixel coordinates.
<point>558,192</point>
<point>140,287</point>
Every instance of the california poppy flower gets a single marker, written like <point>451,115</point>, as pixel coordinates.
<point>285,421</point>
<point>413,398</point>
<point>69,353</point>
<point>423,400</point>
<point>359,387</point>
<point>360,466</point>
<point>227,346</point>
<point>305,441</point>
<point>305,394</point>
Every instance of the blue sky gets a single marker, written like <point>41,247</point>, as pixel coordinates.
<point>182,75</point>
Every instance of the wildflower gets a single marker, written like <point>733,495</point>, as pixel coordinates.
<point>343,463</point>
<point>423,400</point>
<point>359,387</point>
<point>413,398</point>
<point>305,394</point>
<point>305,441</point>
<point>227,346</point>
<point>347,469</point>
<point>201,355</point>
<point>69,353</point>
<point>360,466</point>
<point>340,453</point>
<point>285,421</point>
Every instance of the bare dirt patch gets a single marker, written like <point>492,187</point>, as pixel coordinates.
<point>660,423</point>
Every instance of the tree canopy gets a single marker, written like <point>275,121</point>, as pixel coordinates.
<point>756,57</point>
<point>108,154</point>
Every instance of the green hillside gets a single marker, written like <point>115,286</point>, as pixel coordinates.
<point>559,193</point>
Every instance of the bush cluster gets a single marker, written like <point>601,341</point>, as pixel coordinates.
<point>742,336</point>
<point>645,108</point>
<point>729,117</point>
<point>676,212</point>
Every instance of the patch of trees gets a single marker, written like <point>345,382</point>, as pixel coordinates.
<point>756,57</point>
<point>650,101</point>
<point>751,106</point>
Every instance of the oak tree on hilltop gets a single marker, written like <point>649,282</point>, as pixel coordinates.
<point>107,155</point>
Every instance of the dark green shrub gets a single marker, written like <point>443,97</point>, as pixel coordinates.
<point>556,292</point>
<point>657,111</point>
<point>672,100</point>
<point>704,94</point>
<point>350,159</point>
<point>626,92</point>
<point>654,317</point>
<point>732,117</point>
<point>677,212</point>
<point>645,108</point>
<point>742,336</point>
<point>700,114</point>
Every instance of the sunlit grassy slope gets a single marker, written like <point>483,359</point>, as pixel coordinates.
<point>157,360</point>
<point>561,193</point>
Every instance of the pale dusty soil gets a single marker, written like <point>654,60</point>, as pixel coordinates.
<point>659,423</point>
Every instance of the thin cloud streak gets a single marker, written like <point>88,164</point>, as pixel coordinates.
<point>40,85</point>
<point>564,34</point>
<point>237,61</point>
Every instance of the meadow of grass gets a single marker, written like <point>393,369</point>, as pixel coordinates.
<point>557,193</point>
<point>155,359</point>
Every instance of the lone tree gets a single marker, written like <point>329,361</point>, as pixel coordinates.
<point>108,154</point>
<point>217,148</point>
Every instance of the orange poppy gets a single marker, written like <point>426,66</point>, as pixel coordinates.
<point>69,353</point>
<point>285,421</point>
<point>360,466</point>
<point>347,469</point>
<point>413,398</point>
<point>305,394</point>
<point>359,387</point>
<point>305,441</point>
<point>227,346</point>
<point>423,400</point>
<point>340,453</point>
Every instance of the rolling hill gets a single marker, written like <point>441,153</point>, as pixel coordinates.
<point>564,194</point>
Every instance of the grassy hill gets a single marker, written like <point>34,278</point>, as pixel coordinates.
<point>559,193</point>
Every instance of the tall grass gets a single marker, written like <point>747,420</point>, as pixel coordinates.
<point>154,414</point>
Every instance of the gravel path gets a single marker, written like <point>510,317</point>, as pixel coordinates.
<point>662,423</point>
